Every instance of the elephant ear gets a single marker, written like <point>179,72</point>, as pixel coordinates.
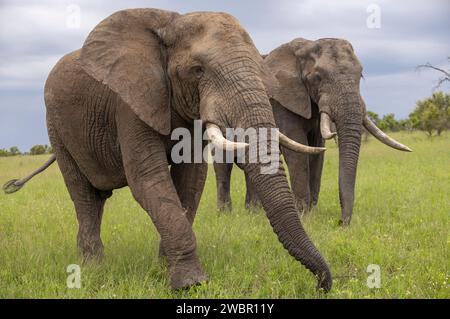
<point>125,53</point>
<point>290,90</point>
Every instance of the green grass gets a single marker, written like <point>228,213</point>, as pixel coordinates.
<point>400,222</point>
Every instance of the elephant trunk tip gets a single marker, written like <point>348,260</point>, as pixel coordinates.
<point>324,281</point>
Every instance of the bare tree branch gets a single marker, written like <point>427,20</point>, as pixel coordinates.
<point>441,80</point>
<point>428,65</point>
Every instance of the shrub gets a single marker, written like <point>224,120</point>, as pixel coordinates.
<point>432,115</point>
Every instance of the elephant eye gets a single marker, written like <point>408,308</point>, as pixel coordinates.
<point>197,71</point>
<point>314,77</point>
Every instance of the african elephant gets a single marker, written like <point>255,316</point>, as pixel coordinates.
<point>318,88</point>
<point>112,105</point>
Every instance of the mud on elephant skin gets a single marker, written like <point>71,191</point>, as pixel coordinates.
<point>112,105</point>
<point>317,89</point>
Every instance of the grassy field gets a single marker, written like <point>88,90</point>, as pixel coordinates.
<point>401,223</point>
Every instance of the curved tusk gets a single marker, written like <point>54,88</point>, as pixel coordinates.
<point>325,126</point>
<point>218,140</point>
<point>383,137</point>
<point>297,147</point>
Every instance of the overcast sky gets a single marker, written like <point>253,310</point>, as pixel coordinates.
<point>35,34</point>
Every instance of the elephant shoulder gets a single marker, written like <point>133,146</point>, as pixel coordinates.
<point>67,81</point>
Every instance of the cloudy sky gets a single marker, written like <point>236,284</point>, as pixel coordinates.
<point>390,38</point>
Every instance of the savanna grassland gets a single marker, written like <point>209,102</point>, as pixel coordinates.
<point>401,223</point>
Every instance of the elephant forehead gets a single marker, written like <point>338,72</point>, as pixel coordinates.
<point>214,26</point>
<point>337,49</point>
<point>207,21</point>
<point>205,17</point>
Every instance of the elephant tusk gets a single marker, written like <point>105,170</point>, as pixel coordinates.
<point>218,140</point>
<point>383,137</point>
<point>325,126</point>
<point>297,147</point>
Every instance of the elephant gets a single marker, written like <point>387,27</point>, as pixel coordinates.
<point>113,104</point>
<point>317,89</point>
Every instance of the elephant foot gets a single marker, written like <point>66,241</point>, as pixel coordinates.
<point>314,201</point>
<point>186,274</point>
<point>303,207</point>
<point>90,246</point>
<point>224,207</point>
<point>92,253</point>
<point>344,222</point>
<point>253,206</point>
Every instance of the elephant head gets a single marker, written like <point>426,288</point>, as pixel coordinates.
<point>325,74</point>
<point>199,66</point>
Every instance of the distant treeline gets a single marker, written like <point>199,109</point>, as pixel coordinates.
<point>35,150</point>
<point>431,115</point>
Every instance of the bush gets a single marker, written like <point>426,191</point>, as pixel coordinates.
<point>432,115</point>
<point>3,152</point>
<point>374,117</point>
<point>38,149</point>
<point>14,150</point>
<point>406,125</point>
<point>389,123</point>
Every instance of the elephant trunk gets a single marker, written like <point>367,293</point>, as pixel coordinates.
<point>349,126</point>
<point>278,202</point>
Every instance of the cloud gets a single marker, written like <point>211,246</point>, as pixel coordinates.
<point>397,92</point>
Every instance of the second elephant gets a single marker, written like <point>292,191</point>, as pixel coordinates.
<point>317,83</point>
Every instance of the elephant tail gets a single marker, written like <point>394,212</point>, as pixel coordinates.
<point>14,185</point>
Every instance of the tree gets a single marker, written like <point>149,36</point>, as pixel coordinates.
<point>374,117</point>
<point>48,149</point>
<point>441,80</point>
<point>406,124</point>
<point>37,150</point>
<point>3,152</point>
<point>14,150</point>
<point>432,114</point>
<point>389,123</point>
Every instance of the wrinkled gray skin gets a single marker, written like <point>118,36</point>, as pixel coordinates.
<point>313,77</point>
<point>109,115</point>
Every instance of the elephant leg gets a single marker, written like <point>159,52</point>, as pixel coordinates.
<point>146,168</point>
<point>315,165</point>
<point>223,179</point>
<point>89,215</point>
<point>88,202</point>
<point>299,171</point>
<point>189,180</point>
<point>153,188</point>
<point>251,197</point>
